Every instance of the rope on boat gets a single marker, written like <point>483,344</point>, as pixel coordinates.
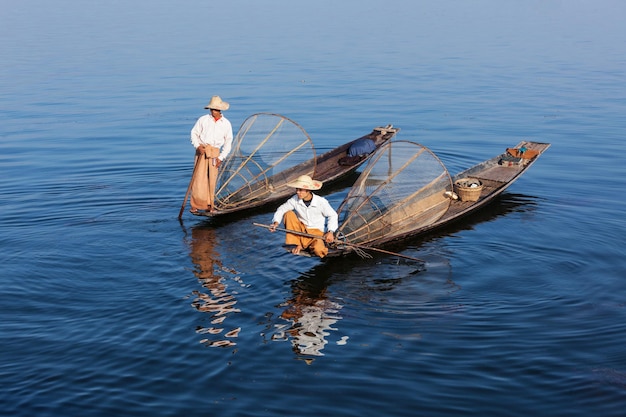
<point>343,241</point>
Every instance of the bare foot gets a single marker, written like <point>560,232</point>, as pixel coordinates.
<point>296,250</point>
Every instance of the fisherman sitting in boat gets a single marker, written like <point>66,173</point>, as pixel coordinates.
<point>307,213</point>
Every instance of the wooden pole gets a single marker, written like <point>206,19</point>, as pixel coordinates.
<point>193,176</point>
<point>342,243</point>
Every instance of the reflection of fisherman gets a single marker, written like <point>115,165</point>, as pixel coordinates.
<point>217,302</point>
<point>212,136</point>
<point>308,213</point>
<point>205,257</point>
<point>311,314</point>
<point>311,325</point>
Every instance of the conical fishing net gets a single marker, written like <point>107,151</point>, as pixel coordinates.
<point>401,189</point>
<point>268,152</point>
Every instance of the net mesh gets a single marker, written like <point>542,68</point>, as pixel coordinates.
<point>402,188</point>
<point>268,152</point>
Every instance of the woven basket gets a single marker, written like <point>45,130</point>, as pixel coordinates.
<point>468,189</point>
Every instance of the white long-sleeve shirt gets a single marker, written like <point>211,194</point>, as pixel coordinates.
<point>208,131</point>
<point>315,215</point>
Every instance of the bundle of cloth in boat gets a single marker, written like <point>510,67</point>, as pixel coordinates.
<point>517,156</point>
<point>522,152</point>
<point>358,151</point>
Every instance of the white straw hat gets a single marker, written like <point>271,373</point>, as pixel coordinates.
<point>306,183</point>
<point>217,104</point>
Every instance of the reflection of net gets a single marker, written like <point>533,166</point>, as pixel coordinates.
<point>268,152</point>
<point>401,189</point>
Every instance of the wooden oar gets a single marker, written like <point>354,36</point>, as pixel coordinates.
<point>355,245</point>
<point>193,176</point>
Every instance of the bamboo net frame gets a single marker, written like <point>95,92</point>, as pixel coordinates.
<point>402,188</point>
<point>265,143</point>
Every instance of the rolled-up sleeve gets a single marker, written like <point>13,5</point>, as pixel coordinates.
<point>284,208</point>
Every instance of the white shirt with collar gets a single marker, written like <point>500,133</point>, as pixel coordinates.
<point>313,216</point>
<point>216,133</point>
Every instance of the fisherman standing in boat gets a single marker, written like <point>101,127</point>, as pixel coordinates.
<point>308,213</point>
<point>212,136</point>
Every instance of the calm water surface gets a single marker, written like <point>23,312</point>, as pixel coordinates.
<point>111,306</point>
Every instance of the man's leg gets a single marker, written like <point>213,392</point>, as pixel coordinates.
<point>293,223</point>
<point>213,153</point>
<point>317,245</point>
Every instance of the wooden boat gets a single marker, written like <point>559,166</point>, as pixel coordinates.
<point>406,191</point>
<point>270,151</point>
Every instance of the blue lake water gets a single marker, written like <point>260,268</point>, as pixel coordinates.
<point>111,306</point>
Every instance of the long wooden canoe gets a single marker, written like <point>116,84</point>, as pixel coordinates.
<point>405,191</point>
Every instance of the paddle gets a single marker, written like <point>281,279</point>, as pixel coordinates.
<point>354,245</point>
<point>193,175</point>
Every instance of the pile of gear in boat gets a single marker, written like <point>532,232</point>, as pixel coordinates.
<point>361,148</point>
<point>517,156</point>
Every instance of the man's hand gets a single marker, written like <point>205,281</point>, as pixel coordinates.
<point>200,150</point>
<point>329,237</point>
<point>218,162</point>
<point>273,227</point>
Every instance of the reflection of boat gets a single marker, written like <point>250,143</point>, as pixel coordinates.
<point>311,318</point>
<point>503,205</point>
<point>405,191</point>
<point>270,151</point>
